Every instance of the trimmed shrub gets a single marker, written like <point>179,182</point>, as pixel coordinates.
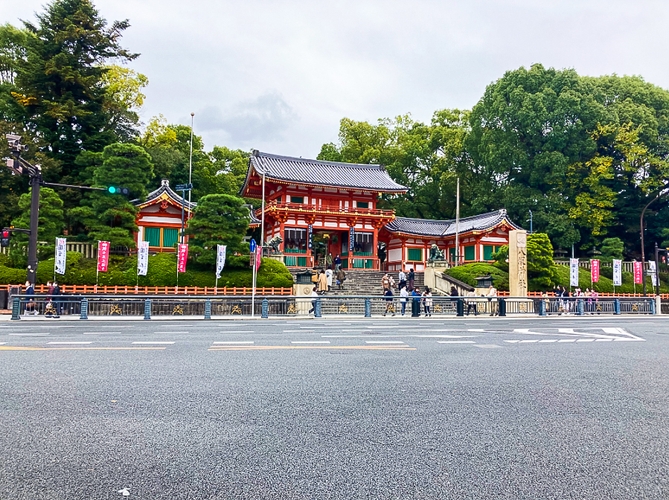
<point>469,272</point>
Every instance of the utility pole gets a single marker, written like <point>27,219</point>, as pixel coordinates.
<point>457,224</point>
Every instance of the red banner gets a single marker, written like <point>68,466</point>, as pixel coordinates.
<point>258,257</point>
<point>594,270</point>
<point>182,257</point>
<point>638,273</point>
<point>103,256</point>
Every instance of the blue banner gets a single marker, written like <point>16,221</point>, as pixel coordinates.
<point>310,233</point>
<point>351,238</point>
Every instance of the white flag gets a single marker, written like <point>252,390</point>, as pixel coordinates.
<point>573,272</point>
<point>653,272</point>
<point>220,259</point>
<point>61,255</point>
<point>143,258</point>
<point>617,272</point>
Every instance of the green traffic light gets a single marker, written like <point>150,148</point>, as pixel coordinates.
<point>111,189</point>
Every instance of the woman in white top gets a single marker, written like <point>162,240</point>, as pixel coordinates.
<point>427,301</point>
<point>328,275</point>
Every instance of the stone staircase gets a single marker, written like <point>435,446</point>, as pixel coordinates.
<point>361,282</point>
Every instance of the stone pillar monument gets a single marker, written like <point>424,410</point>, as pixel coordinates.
<point>518,263</point>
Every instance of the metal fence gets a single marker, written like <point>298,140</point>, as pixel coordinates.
<point>208,307</point>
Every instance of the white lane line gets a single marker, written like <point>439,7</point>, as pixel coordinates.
<point>233,342</point>
<point>28,334</point>
<point>3,343</point>
<point>529,341</point>
<point>546,341</point>
<point>102,333</point>
<point>636,339</point>
<point>69,343</point>
<point>310,342</point>
<point>157,343</point>
<point>315,328</point>
<point>167,333</point>
<point>177,326</point>
<point>603,340</point>
<point>370,336</point>
<point>488,346</point>
<point>566,340</point>
<point>383,342</point>
<point>296,331</point>
<point>585,340</point>
<point>239,331</point>
<point>456,342</point>
<point>475,330</point>
<point>512,341</point>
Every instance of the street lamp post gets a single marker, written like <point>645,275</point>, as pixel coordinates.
<point>190,161</point>
<point>643,251</point>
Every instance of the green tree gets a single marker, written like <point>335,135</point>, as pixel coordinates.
<point>51,215</point>
<point>60,86</point>
<point>612,248</point>
<point>219,219</point>
<point>110,217</point>
<point>541,269</point>
<point>229,168</point>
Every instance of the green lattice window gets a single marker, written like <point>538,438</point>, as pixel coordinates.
<point>152,235</point>
<point>170,237</point>
<point>470,252</point>
<point>362,204</point>
<point>488,250</point>
<point>297,199</point>
<point>415,254</point>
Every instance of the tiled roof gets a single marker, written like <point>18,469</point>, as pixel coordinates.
<point>165,188</point>
<point>323,173</point>
<point>440,228</point>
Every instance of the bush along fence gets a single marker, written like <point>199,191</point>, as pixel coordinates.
<point>208,307</point>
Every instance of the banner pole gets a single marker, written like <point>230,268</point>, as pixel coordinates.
<point>253,284</point>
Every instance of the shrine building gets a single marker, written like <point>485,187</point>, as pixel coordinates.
<point>322,209</point>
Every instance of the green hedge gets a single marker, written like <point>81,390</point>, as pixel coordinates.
<point>469,272</point>
<point>161,272</point>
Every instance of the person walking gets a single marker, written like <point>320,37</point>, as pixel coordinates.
<point>415,303</point>
<point>492,298</point>
<point>337,263</point>
<point>314,299</point>
<point>322,282</point>
<point>56,302</point>
<point>387,282</point>
<point>410,279</point>
<point>427,302</point>
<point>328,275</point>
<point>471,302</point>
<point>401,280</point>
<point>30,299</point>
<point>388,293</point>
<point>403,298</point>
<point>341,277</point>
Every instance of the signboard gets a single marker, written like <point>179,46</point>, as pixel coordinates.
<point>103,256</point>
<point>143,258</point>
<point>617,272</point>
<point>351,239</point>
<point>652,270</point>
<point>182,256</point>
<point>258,257</point>
<point>594,270</point>
<point>310,234</point>
<point>638,273</point>
<point>61,248</point>
<point>220,259</point>
<point>573,272</point>
<point>253,245</point>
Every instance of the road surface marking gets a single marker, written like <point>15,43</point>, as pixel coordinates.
<point>488,346</point>
<point>156,343</point>
<point>69,343</point>
<point>26,348</point>
<point>456,342</point>
<point>310,342</point>
<point>102,333</point>
<point>636,339</point>
<point>547,341</point>
<point>383,342</point>
<point>328,347</point>
<point>233,342</point>
<point>166,333</point>
<point>475,330</point>
<point>28,334</point>
<point>239,331</point>
<point>566,340</point>
<point>3,343</point>
<point>585,340</point>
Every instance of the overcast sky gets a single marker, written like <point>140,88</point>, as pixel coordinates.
<point>279,75</point>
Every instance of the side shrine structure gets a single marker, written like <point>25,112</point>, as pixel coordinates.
<point>317,210</point>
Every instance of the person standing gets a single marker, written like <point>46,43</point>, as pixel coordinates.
<point>427,302</point>
<point>386,282</point>
<point>492,298</point>
<point>403,298</point>
<point>322,282</point>
<point>337,263</point>
<point>411,278</point>
<point>328,275</point>
<point>471,302</point>
<point>388,293</point>
<point>30,299</point>
<point>402,280</point>
<point>56,302</point>
<point>341,277</point>
<point>415,303</point>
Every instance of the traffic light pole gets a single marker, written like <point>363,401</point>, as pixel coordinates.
<point>35,183</point>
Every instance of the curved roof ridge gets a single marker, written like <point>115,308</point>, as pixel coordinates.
<point>299,159</point>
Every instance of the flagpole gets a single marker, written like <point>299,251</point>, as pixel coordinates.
<point>253,283</point>
<point>457,224</point>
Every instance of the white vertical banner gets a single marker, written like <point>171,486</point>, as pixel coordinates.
<point>61,255</point>
<point>617,272</point>
<point>652,270</point>
<point>220,259</point>
<point>573,272</point>
<point>143,258</point>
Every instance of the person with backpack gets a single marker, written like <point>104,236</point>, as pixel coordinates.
<point>388,293</point>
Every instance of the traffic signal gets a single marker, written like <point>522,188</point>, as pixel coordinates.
<point>118,190</point>
<point>6,235</point>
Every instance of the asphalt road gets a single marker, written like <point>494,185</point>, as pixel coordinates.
<point>382,408</point>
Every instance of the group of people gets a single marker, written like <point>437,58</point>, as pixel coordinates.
<point>566,302</point>
<point>52,309</point>
<point>326,277</point>
<point>406,286</point>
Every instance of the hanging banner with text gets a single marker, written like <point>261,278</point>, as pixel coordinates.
<point>573,272</point>
<point>258,257</point>
<point>652,270</point>
<point>220,259</point>
<point>617,272</point>
<point>103,256</point>
<point>351,239</point>
<point>61,251</point>
<point>594,270</point>
<point>182,257</point>
<point>638,273</point>
<point>143,258</point>
<point>310,236</point>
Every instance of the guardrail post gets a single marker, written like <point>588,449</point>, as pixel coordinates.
<point>317,308</point>
<point>84,308</point>
<point>460,307</point>
<point>658,305</point>
<point>368,307</point>
<point>542,307</point>
<point>16,308</point>
<point>652,306</point>
<point>207,309</point>
<point>147,309</point>
<point>579,307</point>
<point>502,307</point>
<point>264,311</point>
<point>616,306</point>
